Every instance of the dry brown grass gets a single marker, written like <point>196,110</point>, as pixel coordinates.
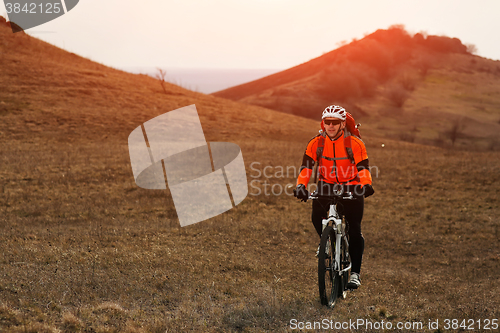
<point>90,251</point>
<point>83,249</point>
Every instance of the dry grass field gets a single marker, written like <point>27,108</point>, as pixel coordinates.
<point>83,249</point>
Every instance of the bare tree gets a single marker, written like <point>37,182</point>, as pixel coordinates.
<point>456,130</point>
<point>161,77</point>
<point>424,64</point>
<point>397,95</point>
<point>408,81</point>
<point>471,48</point>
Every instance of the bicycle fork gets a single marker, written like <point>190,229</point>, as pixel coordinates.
<point>337,227</point>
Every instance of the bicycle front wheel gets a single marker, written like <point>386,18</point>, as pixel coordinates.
<point>328,277</point>
<point>345,262</point>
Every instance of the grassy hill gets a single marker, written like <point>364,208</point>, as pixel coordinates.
<point>415,88</point>
<point>83,249</point>
<point>52,93</point>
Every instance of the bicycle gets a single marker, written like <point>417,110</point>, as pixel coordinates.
<point>334,263</point>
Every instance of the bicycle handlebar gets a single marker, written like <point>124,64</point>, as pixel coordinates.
<point>344,195</point>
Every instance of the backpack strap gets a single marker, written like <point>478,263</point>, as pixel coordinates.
<point>321,145</point>
<point>348,145</point>
<point>350,154</point>
<point>319,154</point>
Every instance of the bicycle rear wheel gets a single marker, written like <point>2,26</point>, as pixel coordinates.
<point>328,278</point>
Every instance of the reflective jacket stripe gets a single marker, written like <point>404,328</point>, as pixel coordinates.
<point>335,158</point>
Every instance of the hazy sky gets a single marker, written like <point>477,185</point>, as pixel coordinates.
<point>253,33</point>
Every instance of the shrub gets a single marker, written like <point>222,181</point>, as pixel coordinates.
<point>445,44</point>
<point>419,38</point>
<point>408,82</point>
<point>397,95</point>
<point>471,48</point>
<point>493,145</point>
<point>408,137</point>
<point>456,130</point>
<point>439,141</point>
<point>423,64</point>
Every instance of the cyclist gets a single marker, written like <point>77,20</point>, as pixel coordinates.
<point>338,170</point>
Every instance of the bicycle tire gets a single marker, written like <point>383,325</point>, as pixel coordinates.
<point>345,261</point>
<point>328,279</point>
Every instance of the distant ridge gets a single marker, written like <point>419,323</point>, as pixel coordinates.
<point>346,74</point>
<point>204,80</point>
<point>399,82</point>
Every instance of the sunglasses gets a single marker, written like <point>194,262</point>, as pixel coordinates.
<point>332,122</point>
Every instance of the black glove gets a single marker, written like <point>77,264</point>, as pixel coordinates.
<point>368,190</point>
<point>301,193</point>
<point>363,190</point>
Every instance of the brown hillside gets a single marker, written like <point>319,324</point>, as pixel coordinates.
<point>350,72</point>
<point>50,94</point>
<point>399,81</point>
<point>83,249</point>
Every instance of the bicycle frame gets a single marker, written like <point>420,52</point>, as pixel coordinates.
<point>335,221</point>
<point>333,263</point>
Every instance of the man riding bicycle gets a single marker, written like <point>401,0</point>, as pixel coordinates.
<point>342,165</point>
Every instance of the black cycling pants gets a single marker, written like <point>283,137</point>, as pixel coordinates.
<point>353,212</point>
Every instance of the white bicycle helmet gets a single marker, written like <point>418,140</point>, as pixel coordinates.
<point>334,111</point>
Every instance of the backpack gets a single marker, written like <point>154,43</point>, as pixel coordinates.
<point>350,129</point>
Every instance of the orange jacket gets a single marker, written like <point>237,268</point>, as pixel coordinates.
<point>335,166</point>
